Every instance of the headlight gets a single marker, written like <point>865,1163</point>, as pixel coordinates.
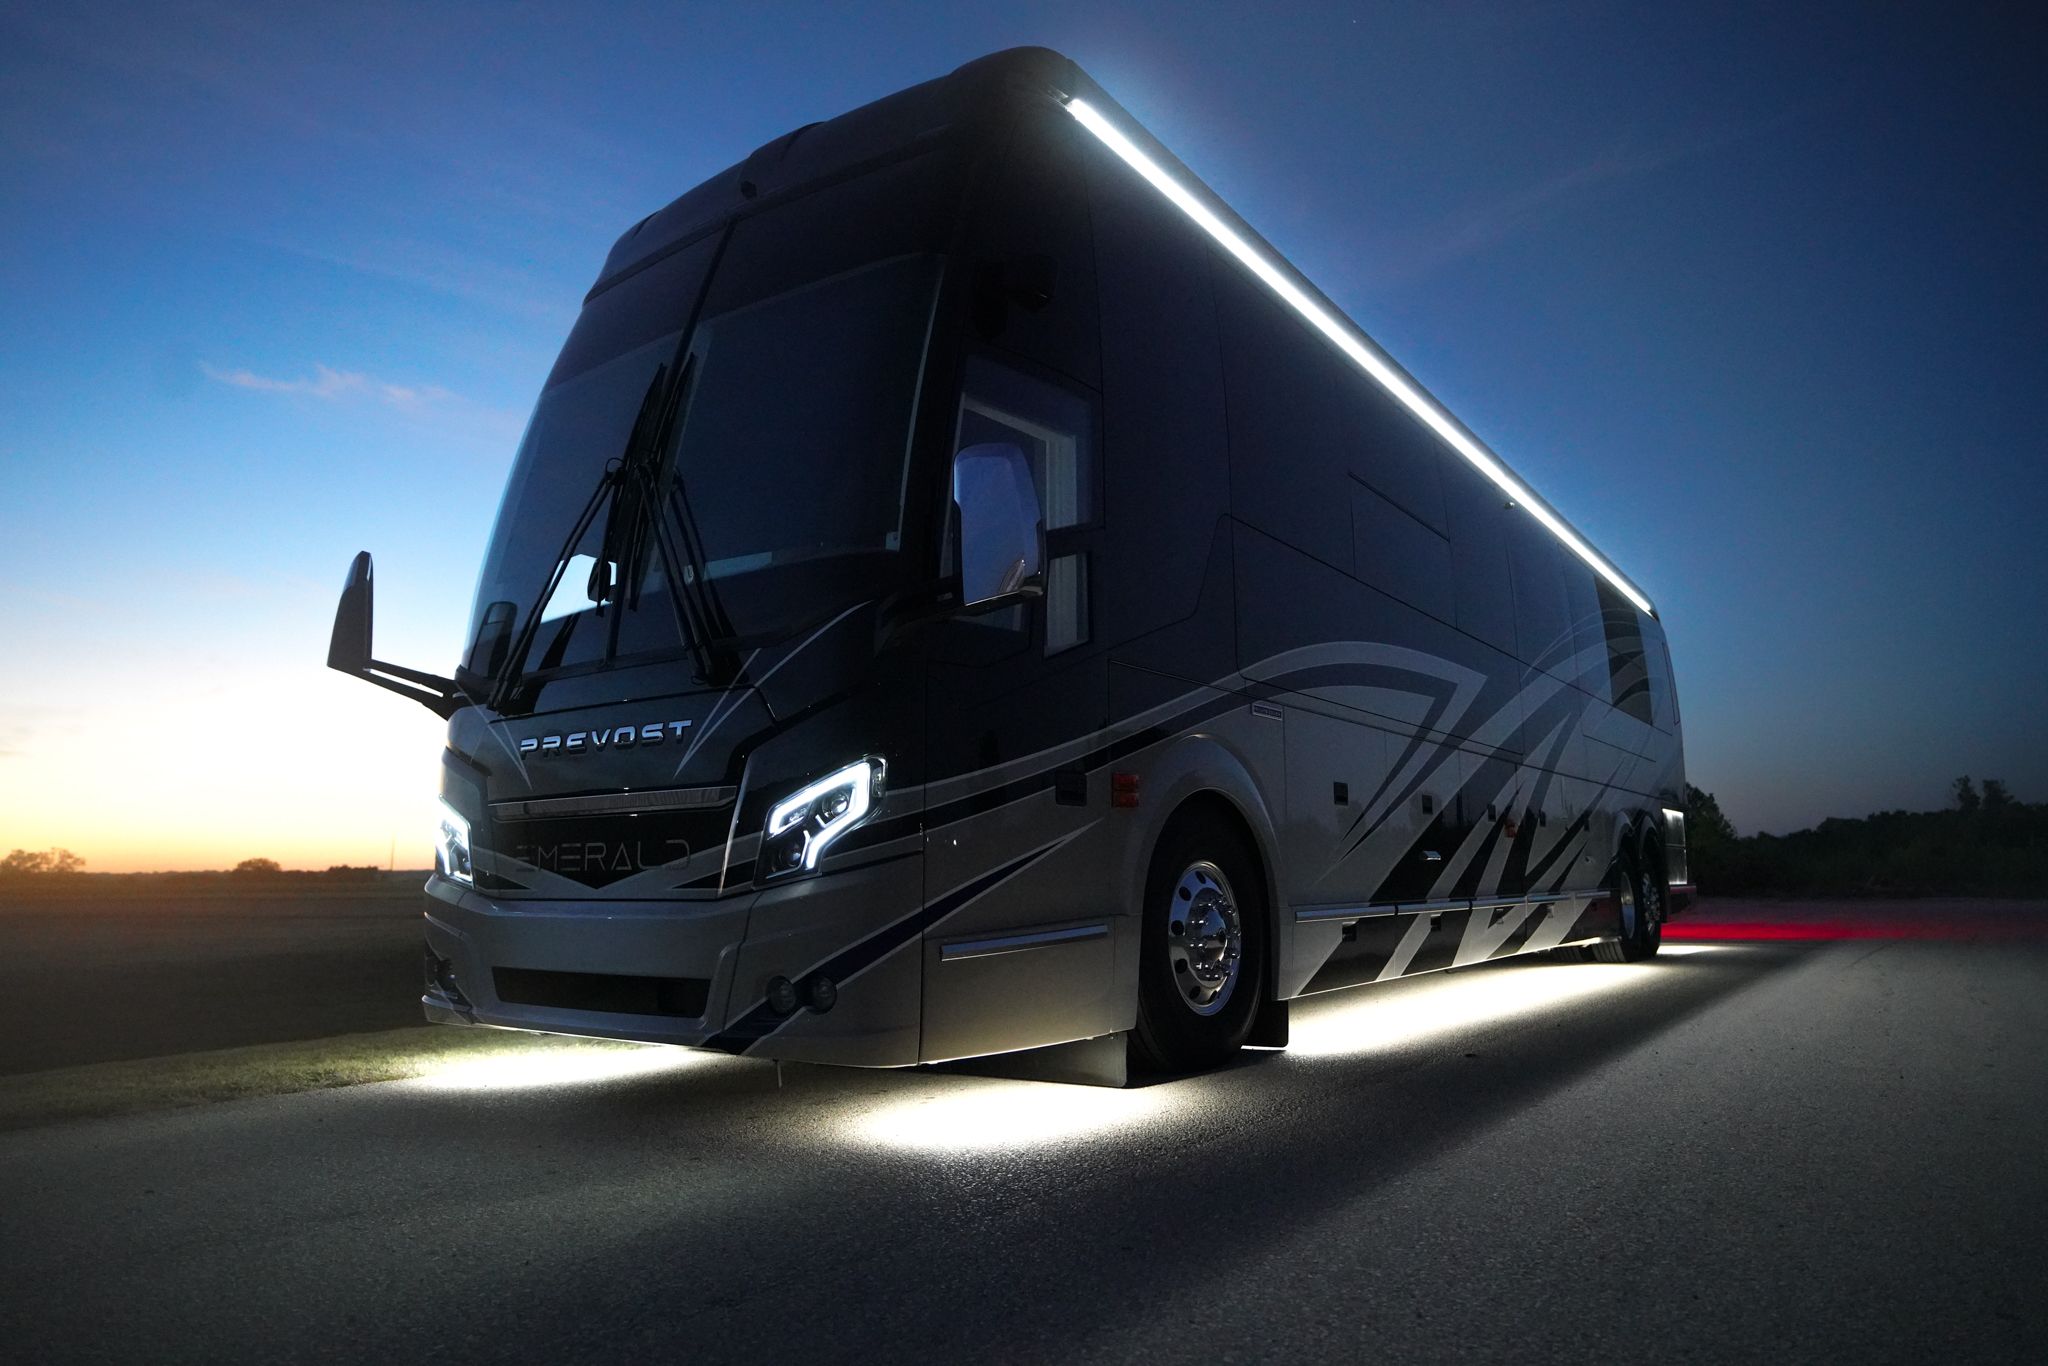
<point>451,846</point>
<point>802,826</point>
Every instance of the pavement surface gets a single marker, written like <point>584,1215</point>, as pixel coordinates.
<point>1778,1146</point>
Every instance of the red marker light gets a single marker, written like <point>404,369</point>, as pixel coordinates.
<point>1123,789</point>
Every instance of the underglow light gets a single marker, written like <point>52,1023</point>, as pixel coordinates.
<point>538,1063</point>
<point>1348,340</point>
<point>986,1115</point>
<point>1685,950</point>
<point>1391,1017</point>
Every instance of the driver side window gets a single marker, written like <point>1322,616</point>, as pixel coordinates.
<point>1056,431</point>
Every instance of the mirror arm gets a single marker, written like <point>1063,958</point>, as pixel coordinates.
<point>348,649</point>
<point>443,704</point>
<point>431,682</point>
<point>941,602</point>
<point>1028,592</point>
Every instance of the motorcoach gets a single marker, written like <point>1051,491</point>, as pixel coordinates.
<point>962,591</point>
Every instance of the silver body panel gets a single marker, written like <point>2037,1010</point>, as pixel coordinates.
<point>1046,952</point>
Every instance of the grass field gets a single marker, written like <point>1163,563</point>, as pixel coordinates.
<point>114,975</point>
<point>124,995</point>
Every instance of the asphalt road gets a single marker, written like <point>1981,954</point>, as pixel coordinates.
<point>1795,1147</point>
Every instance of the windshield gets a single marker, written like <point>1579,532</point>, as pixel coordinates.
<point>778,486</point>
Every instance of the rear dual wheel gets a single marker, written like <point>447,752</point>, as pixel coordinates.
<point>1640,888</point>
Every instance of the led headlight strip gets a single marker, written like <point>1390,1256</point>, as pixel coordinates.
<point>451,846</point>
<point>803,825</point>
<point>1348,340</point>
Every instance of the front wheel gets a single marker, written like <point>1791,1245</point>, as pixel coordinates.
<point>1202,963</point>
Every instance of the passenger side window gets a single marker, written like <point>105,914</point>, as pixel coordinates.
<point>1628,669</point>
<point>1056,431</point>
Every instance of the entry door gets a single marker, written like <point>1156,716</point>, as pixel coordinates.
<point>1017,701</point>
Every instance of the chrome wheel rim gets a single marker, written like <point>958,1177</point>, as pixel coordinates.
<point>1647,897</point>
<point>1204,938</point>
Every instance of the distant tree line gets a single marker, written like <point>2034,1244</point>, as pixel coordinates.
<point>1985,843</point>
<point>38,862</point>
<point>25,863</point>
<point>258,869</point>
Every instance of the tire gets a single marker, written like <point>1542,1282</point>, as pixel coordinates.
<point>1642,923</point>
<point>1199,980</point>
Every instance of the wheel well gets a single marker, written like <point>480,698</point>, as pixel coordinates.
<point>1627,847</point>
<point>1212,805</point>
<point>1650,848</point>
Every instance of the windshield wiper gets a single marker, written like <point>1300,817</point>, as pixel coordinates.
<point>642,521</point>
<point>634,517</point>
<point>699,615</point>
<point>691,543</point>
<point>608,483</point>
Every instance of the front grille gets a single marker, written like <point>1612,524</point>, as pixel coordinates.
<point>616,803</point>
<point>603,992</point>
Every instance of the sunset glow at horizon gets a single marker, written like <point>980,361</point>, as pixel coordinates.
<point>279,288</point>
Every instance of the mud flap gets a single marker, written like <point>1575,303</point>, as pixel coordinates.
<point>1103,1061</point>
<point>1269,1026</point>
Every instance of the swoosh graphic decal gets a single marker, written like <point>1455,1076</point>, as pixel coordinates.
<point>732,700</point>
<point>761,1021</point>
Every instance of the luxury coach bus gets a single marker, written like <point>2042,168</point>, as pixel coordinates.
<point>962,591</point>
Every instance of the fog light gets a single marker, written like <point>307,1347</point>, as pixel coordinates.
<point>441,978</point>
<point>781,995</point>
<point>821,993</point>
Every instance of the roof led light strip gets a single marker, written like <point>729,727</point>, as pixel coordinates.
<point>1348,340</point>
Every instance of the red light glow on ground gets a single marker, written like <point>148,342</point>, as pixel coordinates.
<point>1816,921</point>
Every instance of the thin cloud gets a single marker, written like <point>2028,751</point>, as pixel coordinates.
<point>1501,219</point>
<point>14,743</point>
<point>1488,224</point>
<point>473,276</point>
<point>329,383</point>
<point>430,404</point>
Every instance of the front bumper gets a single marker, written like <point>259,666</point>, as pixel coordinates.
<point>694,973</point>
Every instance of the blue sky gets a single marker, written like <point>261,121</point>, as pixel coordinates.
<point>1756,298</point>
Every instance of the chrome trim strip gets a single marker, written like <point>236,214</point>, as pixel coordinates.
<point>1434,907</point>
<point>1309,914</point>
<point>615,803</point>
<point>1017,943</point>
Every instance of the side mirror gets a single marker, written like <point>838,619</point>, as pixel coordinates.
<point>1002,535</point>
<point>348,649</point>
